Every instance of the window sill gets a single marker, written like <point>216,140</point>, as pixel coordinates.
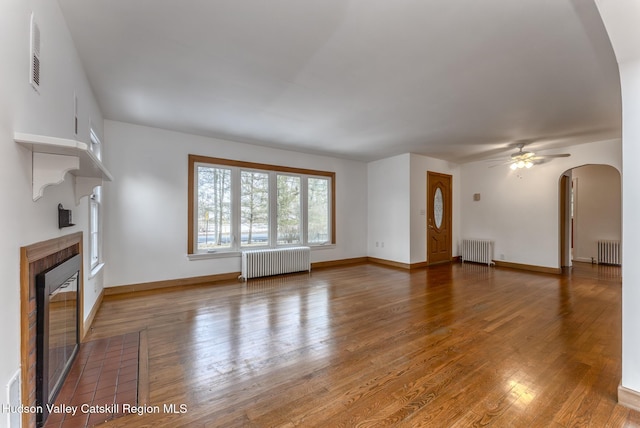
<point>229,254</point>
<point>96,270</point>
<point>216,255</point>
<point>322,247</point>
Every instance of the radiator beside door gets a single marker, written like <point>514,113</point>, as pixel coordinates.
<point>477,250</point>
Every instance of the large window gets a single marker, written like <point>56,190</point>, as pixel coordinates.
<point>318,209</point>
<point>94,227</point>
<point>289,210</point>
<point>94,211</point>
<point>235,205</point>
<point>254,208</point>
<point>214,207</point>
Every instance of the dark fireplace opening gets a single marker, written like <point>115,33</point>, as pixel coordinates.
<point>57,337</point>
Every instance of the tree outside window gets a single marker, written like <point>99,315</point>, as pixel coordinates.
<point>318,209</point>
<point>214,208</point>
<point>289,217</point>
<point>236,205</point>
<point>254,208</point>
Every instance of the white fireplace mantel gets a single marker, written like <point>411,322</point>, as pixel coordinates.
<point>54,157</point>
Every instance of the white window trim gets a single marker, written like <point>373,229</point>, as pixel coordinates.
<point>96,270</point>
<point>95,147</point>
<point>94,201</point>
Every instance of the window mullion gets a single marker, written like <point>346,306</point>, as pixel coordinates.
<point>235,208</point>
<point>330,218</point>
<point>304,208</point>
<point>273,209</point>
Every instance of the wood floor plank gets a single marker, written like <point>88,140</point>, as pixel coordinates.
<point>369,345</point>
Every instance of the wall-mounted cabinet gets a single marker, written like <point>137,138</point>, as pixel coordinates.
<point>54,157</point>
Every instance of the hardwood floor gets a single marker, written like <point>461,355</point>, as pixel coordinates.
<point>367,345</point>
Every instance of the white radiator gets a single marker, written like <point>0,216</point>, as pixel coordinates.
<point>477,250</point>
<point>275,261</point>
<point>609,253</point>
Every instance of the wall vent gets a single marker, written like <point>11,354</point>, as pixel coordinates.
<point>13,394</point>
<point>34,74</point>
<point>75,114</point>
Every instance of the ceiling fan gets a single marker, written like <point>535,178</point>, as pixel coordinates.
<point>525,159</point>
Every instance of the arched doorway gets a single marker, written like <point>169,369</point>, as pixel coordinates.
<point>590,212</point>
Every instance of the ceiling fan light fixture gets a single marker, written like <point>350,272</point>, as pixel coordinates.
<point>521,164</point>
<point>524,159</point>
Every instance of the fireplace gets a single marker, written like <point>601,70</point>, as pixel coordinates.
<point>57,334</point>
<point>35,259</point>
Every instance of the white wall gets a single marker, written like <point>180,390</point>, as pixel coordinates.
<point>621,19</point>
<point>146,206</point>
<point>22,221</point>
<point>389,194</point>
<point>419,206</point>
<point>630,80</point>
<point>397,189</point>
<point>597,209</point>
<point>520,209</point>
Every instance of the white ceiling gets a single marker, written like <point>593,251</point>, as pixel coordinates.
<point>360,79</point>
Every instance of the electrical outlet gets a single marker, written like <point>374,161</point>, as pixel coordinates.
<point>501,256</point>
<point>382,244</point>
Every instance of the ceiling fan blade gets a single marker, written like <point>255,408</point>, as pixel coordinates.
<point>501,164</point>
<point>561,155</point>
<point>524,156</point>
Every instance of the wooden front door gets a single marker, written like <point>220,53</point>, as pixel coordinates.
<point>438,218</point>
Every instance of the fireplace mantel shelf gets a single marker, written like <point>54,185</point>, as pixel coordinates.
<point>54,157</point>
